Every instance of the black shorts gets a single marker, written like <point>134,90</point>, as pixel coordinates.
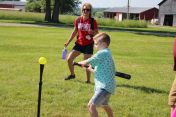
<point>87,49</point>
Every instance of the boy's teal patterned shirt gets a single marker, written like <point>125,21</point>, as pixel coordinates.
<point>104,67</point>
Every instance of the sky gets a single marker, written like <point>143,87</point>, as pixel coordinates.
<point>122,3</point>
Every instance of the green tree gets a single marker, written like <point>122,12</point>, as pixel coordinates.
<point>63,6</point>
<point>99,14</point>
<point>33,6</point>
<point>55,15</point>
<point>68,5</point>
<point>52,8</point>
<point>48,11</point>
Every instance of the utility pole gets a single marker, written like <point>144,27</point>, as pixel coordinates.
<point>128,9</point>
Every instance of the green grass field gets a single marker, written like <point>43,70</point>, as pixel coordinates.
<point>147,58</point>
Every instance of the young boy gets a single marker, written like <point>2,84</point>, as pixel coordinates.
<point>104,73</point>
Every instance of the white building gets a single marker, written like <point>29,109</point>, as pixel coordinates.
<point>167,13</point>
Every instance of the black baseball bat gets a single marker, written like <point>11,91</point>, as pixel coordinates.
<point>119,74</point>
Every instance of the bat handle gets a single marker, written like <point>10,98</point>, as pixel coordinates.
<point>75,63</point>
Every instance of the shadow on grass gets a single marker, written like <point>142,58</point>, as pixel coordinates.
<point>144,89</point>
<point>83,82</point>
<point>131,30</point>
<point>142,31</point>
<point>159,34</point>
<point>141,88</point>
<point>43,23</point>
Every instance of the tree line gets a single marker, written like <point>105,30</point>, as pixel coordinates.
<point>52,8</point>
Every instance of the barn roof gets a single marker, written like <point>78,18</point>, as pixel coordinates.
<point>124,9</point>
<point>13,2</point>
<point>162,2</point>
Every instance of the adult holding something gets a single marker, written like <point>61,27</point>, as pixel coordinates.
<point>85,27</point>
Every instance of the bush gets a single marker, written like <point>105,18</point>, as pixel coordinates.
<point>124,23</point>
<point>33,6</point>
<point>21,16</point>
<point>133,23</point>
<point>99,14</point>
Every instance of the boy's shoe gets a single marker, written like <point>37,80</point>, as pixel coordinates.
<point>70,77</point>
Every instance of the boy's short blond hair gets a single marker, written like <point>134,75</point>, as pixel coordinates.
<point>102,37</point>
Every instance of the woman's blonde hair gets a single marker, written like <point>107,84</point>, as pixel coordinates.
<point>89,6</point>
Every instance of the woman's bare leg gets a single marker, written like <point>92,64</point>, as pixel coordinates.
<point>72,55</point>
<point>86,56</point>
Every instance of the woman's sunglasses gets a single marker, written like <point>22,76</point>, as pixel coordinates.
<point>86,10</point>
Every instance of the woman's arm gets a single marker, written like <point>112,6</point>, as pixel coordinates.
<point>73,34</point>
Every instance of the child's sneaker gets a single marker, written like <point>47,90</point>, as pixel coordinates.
<point>70,77</point>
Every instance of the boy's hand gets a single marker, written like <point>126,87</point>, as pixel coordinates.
<point>90,69</point>
<point>83,63</point>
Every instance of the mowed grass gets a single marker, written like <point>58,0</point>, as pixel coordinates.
<point>147,58</point>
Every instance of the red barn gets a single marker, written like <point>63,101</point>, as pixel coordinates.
<point>136,13</point>
<point>12,5</point>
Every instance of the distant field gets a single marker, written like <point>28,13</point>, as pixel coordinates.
<point>38,18</point>
<point>147,58</point>
<point>28,17</point>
